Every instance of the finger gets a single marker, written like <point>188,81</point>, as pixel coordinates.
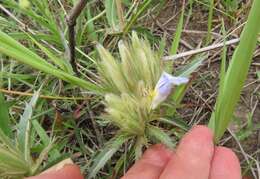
<point>193,156</point>
<point>225,164</point>
<point>69,171</point>
<point>151,164</point>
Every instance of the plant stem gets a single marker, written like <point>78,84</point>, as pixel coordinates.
<point>201,50</point>
<point>71,20</point>
<point>19,93</point>
<point>211,7</point>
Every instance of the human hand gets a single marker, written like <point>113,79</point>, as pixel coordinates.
<point>64,170</point>
<point>196,157</point>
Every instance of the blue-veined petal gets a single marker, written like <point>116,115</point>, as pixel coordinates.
<point>164,86</point>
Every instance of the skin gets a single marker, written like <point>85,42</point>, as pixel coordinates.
<point>196,157</point>
<point>69,171</point>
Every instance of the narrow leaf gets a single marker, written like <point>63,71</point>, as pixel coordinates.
<point>111,14</point>
<point>160,136</point>
<point>177,36</point>
<point>12,48</point>
<point>134,17</point>
<point>5,124</point>
<point>24,127</point>
<point>105,154</point>
<point>236,74</point>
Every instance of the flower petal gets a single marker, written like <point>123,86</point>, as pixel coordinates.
<point>164,86</point>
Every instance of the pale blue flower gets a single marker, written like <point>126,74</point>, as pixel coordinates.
<point>164,87</point>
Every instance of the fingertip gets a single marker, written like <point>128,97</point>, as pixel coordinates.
<point>72,170</point>
<point>151,164</point>
<point>193,155</point>
<point>157,153</point>
<point>203,131</point>
<point>68,171</point>
<point>226,152</point>
<point>199,140</point>
<point>225,164</point>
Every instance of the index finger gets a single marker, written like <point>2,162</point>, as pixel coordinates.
<point>69,171</point>
<point>193,156</point>
<point>151,164</point>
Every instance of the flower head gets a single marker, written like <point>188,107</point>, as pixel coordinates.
<point>164,87</point>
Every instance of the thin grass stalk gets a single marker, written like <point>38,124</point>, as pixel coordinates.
<point>211,8</point>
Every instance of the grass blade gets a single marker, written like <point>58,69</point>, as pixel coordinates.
<point>177,37</point>
<point>6,141</point>
<point>41,157</point>
<point>24,127</point>
<point>210,18</point>
<point>192,66</point>
<point>11,164</point>
<point>236,74</point>
<point>101,159</point>
<point>12,48</point>
<point>135,16</point>
<point>45,139</point>
<point>89,27</point>
<point>159,135</point>
<point>5,124</point>
<point>62,63</point>
<point>111,14</point>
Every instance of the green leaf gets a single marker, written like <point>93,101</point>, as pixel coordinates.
<point>236,74</point>
<point>141,9</point>
<point>12,48</point>
<point>210,18</point>
<point>106,153</point>
<point>12,164</point>
<point>5,124</point>
<point>162,45</point>
<point>175,122</point>
<point>6,141</point>
<point>41,158</point>
<point>41,132</point>
<point>231,5</point>
<point>24,127</point>
<point>177,36</point>
<point>139,144</point>
<point>223,61</point>
<point>62,63</point>
<point>46,20</point>
<point>92,35</point>
<point>159,135</point>
<point>24,4</point>
<point>222,71</point>
<point>54,154</point>
<point>192,66</point>
<point>111,14</point>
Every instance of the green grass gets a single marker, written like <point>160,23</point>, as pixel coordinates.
<point>233,80</point>
<point>210,18</point>
<point>103,115</point>
<point>16,159</point>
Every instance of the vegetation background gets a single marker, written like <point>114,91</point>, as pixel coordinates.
<point>68,120</point>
